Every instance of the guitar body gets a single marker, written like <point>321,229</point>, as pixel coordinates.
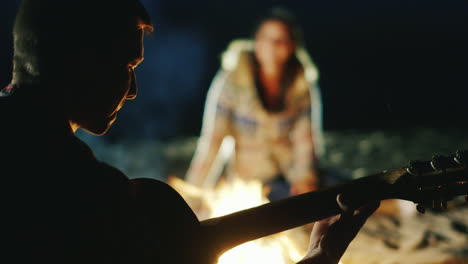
<point>172,231</point>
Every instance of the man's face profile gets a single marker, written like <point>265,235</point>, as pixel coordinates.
<point>108,82</point>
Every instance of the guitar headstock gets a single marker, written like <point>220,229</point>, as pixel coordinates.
<point>431,184</point>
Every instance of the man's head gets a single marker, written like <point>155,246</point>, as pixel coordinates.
<point>83,54</point>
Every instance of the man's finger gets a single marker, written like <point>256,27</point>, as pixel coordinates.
<point>346,211</point>
<point>364,212</point>
<point>343,206</point>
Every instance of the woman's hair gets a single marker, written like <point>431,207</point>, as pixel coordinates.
<point>285,17</point>
<point>293,65</point>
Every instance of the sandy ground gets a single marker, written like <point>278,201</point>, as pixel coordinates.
<point>410,237</point>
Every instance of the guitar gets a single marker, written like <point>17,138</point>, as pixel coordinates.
<point>426,183</point>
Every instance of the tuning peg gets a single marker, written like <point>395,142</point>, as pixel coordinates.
<point>441,163</point>
<point>461,157</point>
<point>437,204</point>
<point>440,204</point>
<point>420,208</point>
<point>417,167</point>
<point>443,204</point>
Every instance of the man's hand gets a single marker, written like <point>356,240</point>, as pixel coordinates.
<point>330,237</point>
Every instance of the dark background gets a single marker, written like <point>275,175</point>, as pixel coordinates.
<point>384,65</point>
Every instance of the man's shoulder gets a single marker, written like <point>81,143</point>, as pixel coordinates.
<point>153,189</point>
<point>107,174</point>
<point>153,192</point>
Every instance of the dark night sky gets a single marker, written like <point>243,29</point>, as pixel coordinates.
<point>387,64</point>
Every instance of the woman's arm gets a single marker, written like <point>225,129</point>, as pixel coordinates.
<point>303,175</point>
<point>216,126</point>
<point>317,120</point>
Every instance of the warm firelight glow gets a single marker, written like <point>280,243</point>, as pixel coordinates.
<point>241,195</point>
<point>252,253</point>
<point>238,195</point>
<point>284,248</point>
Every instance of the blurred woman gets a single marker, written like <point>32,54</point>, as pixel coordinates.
<point>266,98</point>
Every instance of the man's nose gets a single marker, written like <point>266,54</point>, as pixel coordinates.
<point>132,92</point>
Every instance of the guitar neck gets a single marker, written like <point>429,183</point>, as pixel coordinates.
<point>250,224</point>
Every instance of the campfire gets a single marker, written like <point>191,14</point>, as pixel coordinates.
<point>283,248</point>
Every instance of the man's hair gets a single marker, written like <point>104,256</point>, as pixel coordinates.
<point>46,32</point>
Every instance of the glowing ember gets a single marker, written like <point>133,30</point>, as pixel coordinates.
<point>283,248</point>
